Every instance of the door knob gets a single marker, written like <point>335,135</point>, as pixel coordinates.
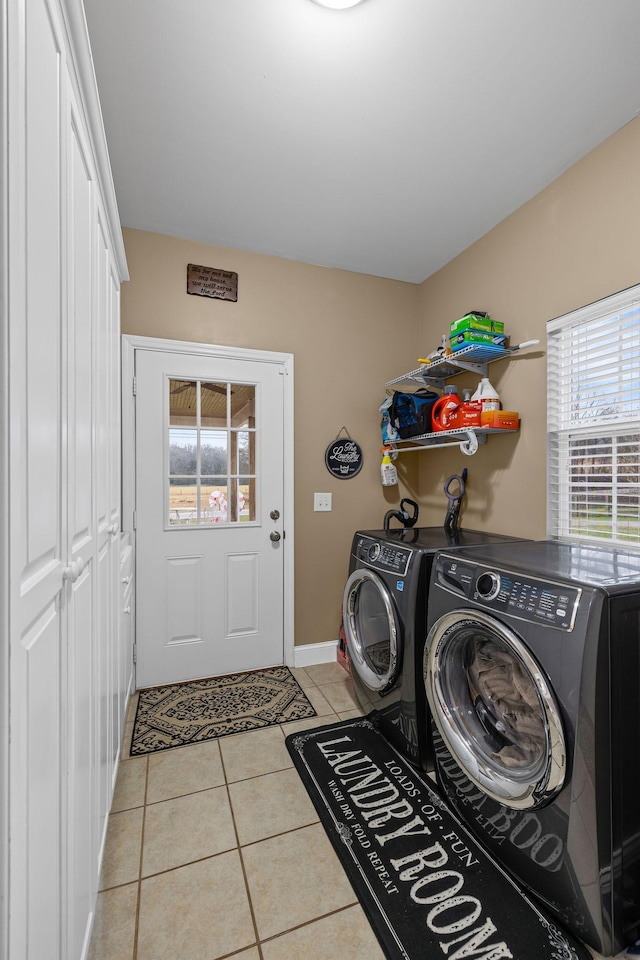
<point>275,536</point>
<point>73,570</point>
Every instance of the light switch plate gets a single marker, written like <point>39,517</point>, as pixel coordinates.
<point>321,502</point>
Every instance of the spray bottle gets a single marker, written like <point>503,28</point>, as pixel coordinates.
<point>388,472</point>
<point>469,410</point>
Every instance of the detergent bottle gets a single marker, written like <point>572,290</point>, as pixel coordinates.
<point>388,472</point>
<point>487,395</point>
<point>469,411</point>
<point>444,411</point>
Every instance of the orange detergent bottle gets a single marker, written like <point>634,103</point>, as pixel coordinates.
<point>444,412</point>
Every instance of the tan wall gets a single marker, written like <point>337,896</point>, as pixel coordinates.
<point>575,242</point>
<point>349,334</point>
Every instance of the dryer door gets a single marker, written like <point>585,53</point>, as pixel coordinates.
<point>373,630</point>
<point>495,709</point>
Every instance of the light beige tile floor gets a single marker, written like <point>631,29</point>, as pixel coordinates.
<point>204,860</point>
<point>215,851</point>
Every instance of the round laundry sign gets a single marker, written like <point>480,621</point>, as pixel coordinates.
<point>343,458</point>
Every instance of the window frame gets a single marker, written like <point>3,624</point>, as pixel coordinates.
<point>593,408</point>
<point>232,479</point>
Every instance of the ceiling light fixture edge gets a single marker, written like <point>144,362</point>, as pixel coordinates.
<point>338,4</point>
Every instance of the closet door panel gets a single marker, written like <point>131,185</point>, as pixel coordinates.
<point>81,824</point>
<point>102,696</point>
<point>80,343</point>
<point>41,644</point>
<point>121,658</point>
<point>102,360</point>
<point>108,526</point>
<point>42,393</point>
<point>82,850</point>
<point>37,483</point>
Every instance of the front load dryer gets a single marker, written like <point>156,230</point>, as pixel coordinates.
<point>532,673</point>
<point>385,619</point>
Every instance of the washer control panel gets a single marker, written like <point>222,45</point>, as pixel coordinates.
<point>525,597</point>
<point>383,556</point>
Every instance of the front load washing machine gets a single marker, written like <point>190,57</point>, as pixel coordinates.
<point>385,619</point>
<point>532,673</point>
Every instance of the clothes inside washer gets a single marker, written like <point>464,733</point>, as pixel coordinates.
<point>507,706</point>
<point>378,656</point>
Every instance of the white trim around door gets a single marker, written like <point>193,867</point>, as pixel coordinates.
<point>130,344</point>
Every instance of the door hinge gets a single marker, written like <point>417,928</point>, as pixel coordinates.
<point>135,653</point>
<point>134,386</point>
<point>135,519</point>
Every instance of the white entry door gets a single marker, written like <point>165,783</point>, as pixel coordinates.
<point>209,515</point>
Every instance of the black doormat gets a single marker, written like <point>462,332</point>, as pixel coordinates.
<point>200,710</point>
<point>426,886</point>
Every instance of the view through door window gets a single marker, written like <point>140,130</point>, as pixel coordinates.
<point>211,459</point>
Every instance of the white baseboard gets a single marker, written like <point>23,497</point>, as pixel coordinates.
<point>311,653</point>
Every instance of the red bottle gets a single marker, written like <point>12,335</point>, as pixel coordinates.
<point>444,412</point>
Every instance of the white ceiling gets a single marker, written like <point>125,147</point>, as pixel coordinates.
<point>383,139</point>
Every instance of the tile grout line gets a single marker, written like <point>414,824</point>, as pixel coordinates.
<point>309,923</point>
<point>241,858</point>
<point>139,883</point>
<point>220,853</point>
<point>240,848</point>
<point>281,834</point>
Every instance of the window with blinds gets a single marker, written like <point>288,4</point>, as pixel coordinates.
<point>593,422</point>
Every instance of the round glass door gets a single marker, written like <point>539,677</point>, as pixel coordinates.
<point>372,630</point>
<point>494,709</point>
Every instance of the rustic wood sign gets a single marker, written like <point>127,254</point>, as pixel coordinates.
<point>209,282</point>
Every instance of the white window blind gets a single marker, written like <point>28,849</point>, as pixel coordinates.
<point>593,422</point>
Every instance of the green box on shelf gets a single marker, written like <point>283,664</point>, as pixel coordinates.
<point>475,321</point>
<point>465,337</point>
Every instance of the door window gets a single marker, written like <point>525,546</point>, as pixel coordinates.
<point>211,453</point>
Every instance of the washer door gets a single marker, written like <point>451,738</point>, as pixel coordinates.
<point>372,629</point>
<point>494,709</point>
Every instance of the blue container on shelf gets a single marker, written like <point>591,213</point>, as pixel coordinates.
<point>480,338</point>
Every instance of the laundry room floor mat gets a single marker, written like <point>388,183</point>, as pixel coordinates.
<point>182,713</point>
<point>426,886</point>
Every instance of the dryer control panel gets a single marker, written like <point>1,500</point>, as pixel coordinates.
<point>383,556</point>
<point>524,597</point>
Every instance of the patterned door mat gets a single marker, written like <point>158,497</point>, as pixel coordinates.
<point>199,710</point>
<point>427,887</point>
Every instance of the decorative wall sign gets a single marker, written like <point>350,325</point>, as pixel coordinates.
<point>343,457</point>
<point>209,282</point>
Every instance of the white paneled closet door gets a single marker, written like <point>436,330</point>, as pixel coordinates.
<point>109,696</point>
<point>79,605</point>
<point>69,672</point>
<point>40,566</point>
